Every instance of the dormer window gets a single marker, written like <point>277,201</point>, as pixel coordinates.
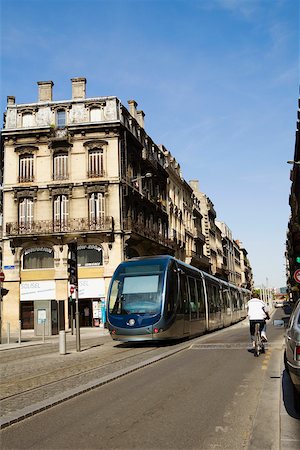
<point>60,118</point>
<point>95,115</point>
<point>27,120</point>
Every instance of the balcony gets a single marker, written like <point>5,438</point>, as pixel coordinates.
<point>149,233</point>
<point>44,227</point>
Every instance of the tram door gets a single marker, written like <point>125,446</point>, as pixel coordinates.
<point>185,301</point>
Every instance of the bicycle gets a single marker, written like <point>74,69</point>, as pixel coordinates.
<point>259,346</point>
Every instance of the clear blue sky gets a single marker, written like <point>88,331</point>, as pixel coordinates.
<point>217,79</point>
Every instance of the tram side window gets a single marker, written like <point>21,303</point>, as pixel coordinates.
<point>184,296</point>
<point>234,300</point>
<point>214,302</point>
<point>201,300</point>
<point>171,291</point>
<point>193,298</point>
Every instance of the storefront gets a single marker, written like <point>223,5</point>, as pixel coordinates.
<point>39,309</point>
<point>91,299</point>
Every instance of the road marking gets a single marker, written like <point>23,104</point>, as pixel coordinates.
<point>222,429</point>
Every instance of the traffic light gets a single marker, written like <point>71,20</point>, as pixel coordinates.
<point>72,264</point>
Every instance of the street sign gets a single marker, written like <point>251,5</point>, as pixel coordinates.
<point>2,276</point>
<point>297,275</point>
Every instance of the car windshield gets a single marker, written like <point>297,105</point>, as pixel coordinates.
<point>136,289</point>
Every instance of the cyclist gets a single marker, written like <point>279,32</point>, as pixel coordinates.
<point>257,313</point>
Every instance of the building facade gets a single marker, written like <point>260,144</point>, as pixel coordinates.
<point>84,170</point>
<point>293,231</point>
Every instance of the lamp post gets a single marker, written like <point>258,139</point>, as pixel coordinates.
<point>294,162</point>
<point>141,177</point>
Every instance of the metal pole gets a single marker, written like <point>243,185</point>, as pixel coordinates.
<point>20,324</point>
<point>8,332</point>
<point>72,317</point>
<point>43,337</point>
<point>77,322</point>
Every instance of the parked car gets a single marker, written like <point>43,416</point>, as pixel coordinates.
<point>292,352</point>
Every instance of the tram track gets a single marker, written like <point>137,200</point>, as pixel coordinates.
<point>88,367</point>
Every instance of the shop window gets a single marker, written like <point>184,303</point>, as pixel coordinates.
<point>89,255</point>
<point>38,258</point>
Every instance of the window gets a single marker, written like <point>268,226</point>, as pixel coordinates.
<point>96,210</point>
<point>95,163</point>
<point>26,168</point>
<point>61,213</point>
<point>60,166</point>
<point>95,115</point>
<point>61,118</point>
<point>25,214</point>
<point>38,258</point>
<point>89,255</point>
<point>27,120</point>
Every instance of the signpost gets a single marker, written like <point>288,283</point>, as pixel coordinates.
<point>297,275</point>
<point>2,278</point>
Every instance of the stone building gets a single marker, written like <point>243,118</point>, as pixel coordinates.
<point>84,170</point>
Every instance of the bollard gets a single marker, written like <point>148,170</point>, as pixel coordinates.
<point>8,332</point>
<point>62,342</point>
<point>20,325</point>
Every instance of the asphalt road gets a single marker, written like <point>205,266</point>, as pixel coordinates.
<point>213,395</point>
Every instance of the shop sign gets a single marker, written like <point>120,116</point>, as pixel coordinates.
<point>37,290</point>
<point>91,288</point>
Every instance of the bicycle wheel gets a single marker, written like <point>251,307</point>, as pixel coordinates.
<point>257,340</point>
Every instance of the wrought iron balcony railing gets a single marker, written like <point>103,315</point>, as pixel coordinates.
<point>69,226</point>
<point>150,233</point>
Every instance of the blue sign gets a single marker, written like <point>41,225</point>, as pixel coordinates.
<point>8,267</point>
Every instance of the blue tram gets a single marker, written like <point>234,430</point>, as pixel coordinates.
<point>160,298</point>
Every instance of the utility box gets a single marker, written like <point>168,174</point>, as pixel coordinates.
<point>48,317</point>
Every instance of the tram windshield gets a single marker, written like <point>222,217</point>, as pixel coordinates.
<point>136,289</point>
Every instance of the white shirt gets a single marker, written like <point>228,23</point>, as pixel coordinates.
<point>255,309</point>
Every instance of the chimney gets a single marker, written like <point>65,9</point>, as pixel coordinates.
<point>78,88</point>
<point>140,118</point>
<point>11,100</point>
<point>45,91</point>
<point>194,185</point>
<point>132,107</point>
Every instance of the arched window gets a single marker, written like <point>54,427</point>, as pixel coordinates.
<point>38,258</point>
<point>89,255</point>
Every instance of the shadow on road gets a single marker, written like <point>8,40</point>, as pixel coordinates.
<point>288,396</point>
